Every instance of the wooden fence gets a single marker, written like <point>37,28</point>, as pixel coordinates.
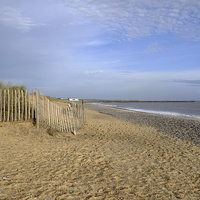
<point>20,105</point>
<point>16,105</point>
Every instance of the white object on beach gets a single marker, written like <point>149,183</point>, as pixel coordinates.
<point>4,178</point>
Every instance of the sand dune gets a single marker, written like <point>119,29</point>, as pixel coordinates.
<point>108,159</point>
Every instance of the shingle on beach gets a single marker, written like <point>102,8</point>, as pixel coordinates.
<point>175,127</point>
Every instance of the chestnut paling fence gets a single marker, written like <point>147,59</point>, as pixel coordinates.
<point>20,105</point>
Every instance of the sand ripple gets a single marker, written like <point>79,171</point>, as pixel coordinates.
<point>108,159</point>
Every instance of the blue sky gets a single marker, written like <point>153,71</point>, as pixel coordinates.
<point>104,49</point>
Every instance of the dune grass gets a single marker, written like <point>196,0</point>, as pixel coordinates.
<point>11,86</point>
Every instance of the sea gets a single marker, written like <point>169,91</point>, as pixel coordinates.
<point>188,110</point>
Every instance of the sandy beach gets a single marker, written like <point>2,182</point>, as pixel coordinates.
<point>110,158</point>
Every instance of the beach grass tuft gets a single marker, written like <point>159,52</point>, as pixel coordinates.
<point>10,86</point>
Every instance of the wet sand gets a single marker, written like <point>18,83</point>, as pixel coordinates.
<point>109,158</point>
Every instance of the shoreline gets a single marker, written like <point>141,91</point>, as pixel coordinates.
<point>182,128</point>
<point>135,101</point>
<point>161,113</point>
<point>110,158</point>
<point>186,109</point>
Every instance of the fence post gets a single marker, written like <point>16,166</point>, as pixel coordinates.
<point>72,119</point>
<point>56,117</point>
<point>0,105</point>
<point>18,105</point>
<point>15,105</point>
<point>33,103</point>
<point>29,106</point>
<point>48,115</point>
<point>52,114</point>
<point>62,123</point>
<point>44,108</point>
<point>83,112</point>
<point>75,118</point>
<point>25,105</point>
<point>67,118</point>
<point>4,109</point>
<point>37,108</point>
<point>64,120</point>
<point>12,105</point>
<point>22,116</point>
<point>8,107</point>
<point>57,114</point>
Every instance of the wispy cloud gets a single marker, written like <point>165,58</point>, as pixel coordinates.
<point>93,72</point>
<point>125,72</point>
<point>192,82</point>
<point>96,43</point>
<point>139,18</point>
<point>13,18</point>
<point>154,47</point>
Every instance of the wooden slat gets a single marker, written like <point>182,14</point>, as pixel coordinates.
<point>43,114</point>
<point>25,99</point>
<point>8,106</point>
<point>4,106</point>
<point>33,105</point>
<point>0,105</point>
<point>67,120</point>
<point>12,111</point>
<point>18,105</point>
<point>29,105</point>
<point>48,114</point>
<point>72,120</point>
<point>15,105</point>
<point>37,108</point>
<point>22,103</point>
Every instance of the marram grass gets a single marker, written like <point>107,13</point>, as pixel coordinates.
<point>10,86</point>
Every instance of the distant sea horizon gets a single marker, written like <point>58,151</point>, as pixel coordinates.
<point>178,109</point>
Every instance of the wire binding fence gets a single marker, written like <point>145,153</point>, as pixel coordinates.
<point>20,105</point>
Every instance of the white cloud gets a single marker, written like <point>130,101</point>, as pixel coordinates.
<point>93,72</point>
<point>13,18</point>
<point>96,43</point>
<point>139,18</point>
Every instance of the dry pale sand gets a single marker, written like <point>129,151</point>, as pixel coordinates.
<point>108,159</point>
